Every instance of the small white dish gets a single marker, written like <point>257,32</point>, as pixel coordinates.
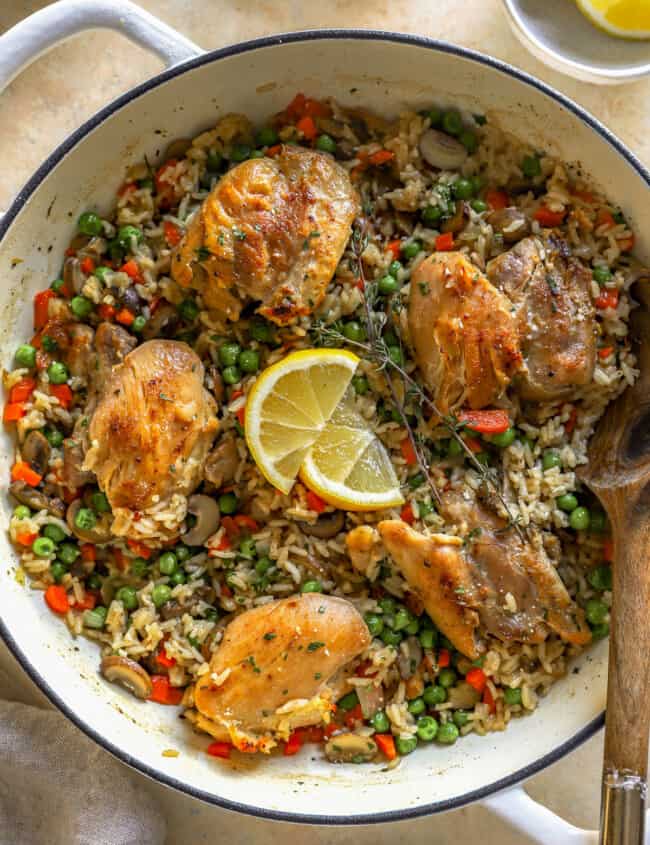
<point>560,36</point>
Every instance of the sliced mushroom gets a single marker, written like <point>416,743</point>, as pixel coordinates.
<point>73,275</point>
<point>441,150</point>
<point>350,748</point>
<point>511,223</point>
<point>127,673</point>
<point>100,533</point>
<point>409,657</point>
<point>463,695</point>
<point>172,610</point>
<point>455,223</point>
<point>325,527</point>
<point>206,511</point>
<point>73,475</point>
<point>36,451</point>
<point>37,500</point>
<point>222,462</point>
<point>162,322</point>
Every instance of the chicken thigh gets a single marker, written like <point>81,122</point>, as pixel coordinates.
<point>271,231</point>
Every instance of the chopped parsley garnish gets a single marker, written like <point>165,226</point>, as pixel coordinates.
<point>306,242</point>
<point>315,645</point>
<point>238,234</point>
<point>203,253</point>
<point>271,635</point>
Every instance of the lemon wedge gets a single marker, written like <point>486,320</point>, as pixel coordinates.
<point>348,465</point>
<point>621,18</point>
<point>290,405</point>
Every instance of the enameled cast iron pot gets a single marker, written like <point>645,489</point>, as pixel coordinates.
<point>385,72</point>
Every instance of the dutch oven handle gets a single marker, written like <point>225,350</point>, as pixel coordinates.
<point>38,33</point>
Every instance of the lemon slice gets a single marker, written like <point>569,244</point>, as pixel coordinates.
<point>622,18</point>
<point>348,465</point>
<point>290,405</point>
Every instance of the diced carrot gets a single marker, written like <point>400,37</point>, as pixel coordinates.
<point>106,312</point>
<point>386,744</point>
<point>271,152</point>
<point>70,495</point>
<point>445,242</point>
<point>407,515</point>
<point>292,745</point>
<point>88,551</point>
<point>163,692</point>
<point>607,299</point>
<point>307,126</point>
<point>473,444</point>
<point>381,157</point>
<point>63,393</point>
<point>25,538</point>
<point>491,421</point>
<point>125,317</point>
<point>230,527</point>
<point>570,424</point>
<point>57,598</point>
<point>476,678</point>
<point>408,452</point>
<point>88,265</point>
<point>219,749</point>
<point>314,502</point>
<point>497,199</point>
<point>70,252</point>
<point>395,248</point>
<point>139,548</point>
<point>172,233</point>
<point>165,190</point>
<point>296,107</point>
<point>245,522</point>
<point>605,218</point>
<point>241,415</point>
<point>444,658</point>
<point>328,730</point>
<point>41,307</point>
<point>488,699</point>
<point>312,733</point>
<point>315,108</point>
<point>21,471</point>
<point>87,603</point>
<point>126,188</point>
<point>353,716</point>
<point>608,549</point>
<point>22,390</point>
<point>13,411</point>
<point>356,172</point>
<point>585,196</point>
<point>224,544</point>
<point>605,351</point>
<point>236,394</point>
<point>131,269</point>
<point>121,561</point>
<point>163,659</point>
<point>549,218</point>
<point>626,244</point>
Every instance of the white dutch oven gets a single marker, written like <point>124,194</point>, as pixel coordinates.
<point>385,72</point>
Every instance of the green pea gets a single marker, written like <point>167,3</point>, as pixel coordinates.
<point>57,285</point>
<point>139,567</point>
<point>454,449</point>
<point>568,502</point>
<point>182,553</point>
<point>469,140</point>
<point>231,375</point>
<point>95,618</point>
<point>360,385</point>
<point>596,611</point>
<point>380,722</point>
<point>101,273</point>
<point>49,344</point>
<point>460,717</point>
<point>402,619</point>
<point>462,189</point>
<point>54,533</point>
<point>424,509</point>
<point>431,215</point>
<point>395,355</point>
<point>189,310</point>
<point>228,503</point>
<point>263,565</point>
<point>100,502</point>
<point>128,596</point>
<point>178,577</point>
<point>551,459</point>
<point>54,437</point>
<point>261,331</point>
<point>89,223</point>
<point>406,745</point>
<point>599,632</point>
<point>410,250</point>
<point>348,702</point>
<point>93,581</point>
<point>435,116</point>
<point>600,578</point>
<point>354,331</point>
<point>512,696</point>
<point>531,167</point>
<point>266,137</point>
<point>394,267</point>
<point>434,694</point>
<point>214,160</point>
<point>58,570</point>
<point>43,547</point>
<point>211,614</point>
<point>598,521</point>
<point>313,586</point>
<point>579,519</point>
<point>160,594</point>
<point>387,604</point>
<point>138,324</point>
<point>168,563</point>
<point>452,122</point>
<point>416,706</point>
<point>326,144</point>
<point>427,638</point>
<point>85,519</point>
<point>389,637</point>
<point>68,553</point>
<point>387,285</point>
<point>26,355</point>
<point>448,733</point>
<point>229,354</point>
<point>126,235</point>
<point>115,251</point>
<point>22,512</point>
<point>447,678</point>
<point>57,373</point>
<point>504,438</point>
<point>479,206</point>
<point>249,361</point>
<point>602,275</point>
<point>145,183</point>
<point>427,728</point>
<point>375,623</point>
<point>240,152</point>
<point>81,307</point>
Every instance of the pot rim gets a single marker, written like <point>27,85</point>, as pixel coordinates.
<point>5,222</point>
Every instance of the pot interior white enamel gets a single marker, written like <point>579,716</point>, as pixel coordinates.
<point>383,74</point>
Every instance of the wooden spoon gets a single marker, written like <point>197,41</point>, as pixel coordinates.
<point>619,474</point>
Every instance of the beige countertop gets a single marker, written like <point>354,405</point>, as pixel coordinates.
<point>56,94</point>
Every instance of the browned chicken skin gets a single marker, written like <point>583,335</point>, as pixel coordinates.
<point>463,333</point>
<point>285,651</point>
<point>272,230</point>
<point>554,313</point>
<point>151,430</point>
<point>493,582</point>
